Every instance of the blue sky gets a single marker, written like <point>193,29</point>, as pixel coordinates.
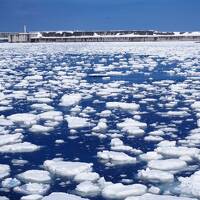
<point>164,15</point>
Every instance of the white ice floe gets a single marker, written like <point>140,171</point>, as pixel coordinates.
<point>101,126</point>
<point>196,105</point>
<point>19,148</point>
<point>4,171</point>
<point>120,191</point>
<point>36,128</point>
<point>132,127</point>
<point>51,115</point>
<point>24,119</point>
<point>63,196</point>
<point>156,176</point>
<point>118,145</point>
<point>86,176</point>
<point>32,197</point>
<point>32,188</point>
<point>175,152</point>
<point>116,158</point>
<point>88,189</point>
<point>189,186</point>
<point>151,155</point>
<point>158,197</point>
<point>35,176</point>
<point>77,122</point>
<point>66,168</point>
<point>167,165</point>
<point>123,106</point>
<point>10,138</point>
<point>70,99</point>
<point>10,182</point>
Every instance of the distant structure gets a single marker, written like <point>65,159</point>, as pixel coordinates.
<point>25,31</point>
<point>101,36</point>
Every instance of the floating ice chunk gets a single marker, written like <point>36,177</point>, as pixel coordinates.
<point>158,197</point>
<point>177,113</point>
<point>51,115</point>
<point>88,189</point>
<point>67,168</point>
<point>196,105</point>
<point>167,143</point>
<point>132,127</point>
<point>10,183</point>
<point>42,107</point>
<point>32,197</point>
<point>63,196</point>
<point>101,126</point>
<point>24,119</point>
<point>116,158</point>
<point>36,176</point>
<point>118,145</point>
<point>156,176</point>
<point>77,122</point>
<point>176,152</point>
<point>36,128</point>
<point>151,155</point>
<point>19,148</point>
<point>124,106</point>
<point>10,138</point>
<point>32,188</point>
<point>3,198</point>
<point>153,138</point>
<point>86,176</point>
<point>5,122</point>
<point>70,99</point>
<point>167,165</point>
<point>4,171</point>
<point>105,113</point>
<point>189,186</point>
<point>154,190</point>
<point>120,191</point>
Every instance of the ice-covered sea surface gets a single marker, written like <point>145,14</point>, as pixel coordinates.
<point>100,121</point>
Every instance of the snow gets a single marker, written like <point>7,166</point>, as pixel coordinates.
<point>66,168</point>
<point>70,99</point>
<point>120,191</point>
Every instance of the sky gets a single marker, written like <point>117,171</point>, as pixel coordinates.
<point>91,15</point>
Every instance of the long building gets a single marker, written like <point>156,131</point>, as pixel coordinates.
<point>102,36</point>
